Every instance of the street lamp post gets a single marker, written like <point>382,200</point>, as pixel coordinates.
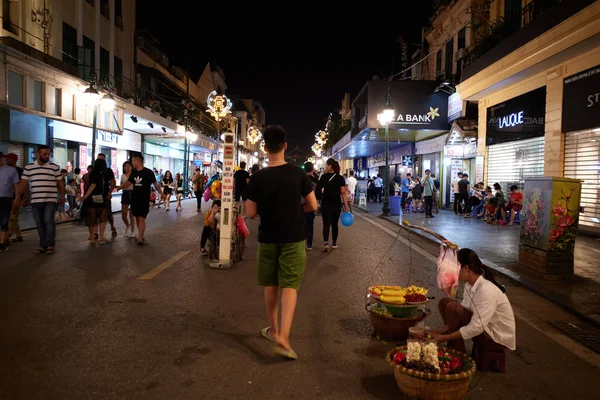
<point>384,119</point>
<point>93,100</point>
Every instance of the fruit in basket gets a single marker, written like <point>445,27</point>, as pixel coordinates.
<point>399,358</point>
<point>449,364</point>
<point>416,298</point>
<point>392,299</point>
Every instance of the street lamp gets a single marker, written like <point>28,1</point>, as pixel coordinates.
<point>385,118</point>
<point>92,99</point>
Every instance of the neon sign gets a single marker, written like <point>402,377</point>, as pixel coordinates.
<point>513,119</point>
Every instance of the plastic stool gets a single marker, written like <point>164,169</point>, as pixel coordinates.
<point>485,351</point>
<point>362,200</point>
<point>518,217</point>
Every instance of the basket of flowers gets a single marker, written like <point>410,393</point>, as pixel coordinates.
<point>424,372</point>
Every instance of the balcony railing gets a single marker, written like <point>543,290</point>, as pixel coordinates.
<point>38,55</point>
<point>501,30</point>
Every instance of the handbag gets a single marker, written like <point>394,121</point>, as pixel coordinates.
<point>99,198</point>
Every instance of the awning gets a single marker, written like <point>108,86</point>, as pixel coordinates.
<point>462,131</point>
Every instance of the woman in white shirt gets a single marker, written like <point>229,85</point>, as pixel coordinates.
<point>484,314</point>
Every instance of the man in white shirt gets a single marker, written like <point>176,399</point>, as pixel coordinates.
<point>379,187</point>
<point>351,183</point>
<point>455,190</point>
<point>485,314</point>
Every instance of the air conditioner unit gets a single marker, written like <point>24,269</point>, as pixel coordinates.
<point>460,54</point>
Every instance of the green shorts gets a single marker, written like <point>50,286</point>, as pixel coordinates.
<point>281,264</point>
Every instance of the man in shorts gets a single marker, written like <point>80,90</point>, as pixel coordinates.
<point>241,179</point>
<point>142,179</point>
<point>280,194</point>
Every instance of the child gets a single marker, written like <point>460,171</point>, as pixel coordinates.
<point>71,190</point>
<point>211,222</point>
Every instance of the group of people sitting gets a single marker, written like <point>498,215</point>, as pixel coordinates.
<point>486,203</point>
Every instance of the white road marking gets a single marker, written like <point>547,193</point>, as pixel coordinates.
<point>396,235</point>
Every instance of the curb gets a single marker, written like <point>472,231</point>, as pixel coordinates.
<point>507,274</point>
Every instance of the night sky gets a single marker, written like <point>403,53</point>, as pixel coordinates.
<point>299,72</point>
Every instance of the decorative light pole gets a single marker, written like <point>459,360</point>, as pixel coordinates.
<point>219,106</point>
<point>92,99</point>
<point>384,118</point>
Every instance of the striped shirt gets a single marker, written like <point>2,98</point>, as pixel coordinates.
<point>43,181</point>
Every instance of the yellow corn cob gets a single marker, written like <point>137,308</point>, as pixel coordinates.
<point>393,299</point>
<point>389,292</point>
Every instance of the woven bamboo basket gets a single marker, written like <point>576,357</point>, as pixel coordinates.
<point>394,328</point>
<point>428,386</point>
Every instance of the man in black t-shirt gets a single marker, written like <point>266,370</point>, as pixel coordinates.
<point>142,179</point>
<point>464,188</point>
<point>280,194</point>
<point>240,180</point>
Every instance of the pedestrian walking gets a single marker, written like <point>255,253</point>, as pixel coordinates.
<point>436,194</point>
<point>96,198</point>
<point>13,222</point>
<point>46,184</point>
<point>9,199</point>
<point>167,183</point>
<point>428,189</point>
<point>198,186</point>
<point>457,198</point>
<point>142,179</point>
<point>240,180</point>
<point>334,196</point>
<point>178,190</point>
<point>126,214</point>
<point>275,193</point>
<point>111,184</point>
<point>309,217</point>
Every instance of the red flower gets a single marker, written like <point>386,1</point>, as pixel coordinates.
<point>565,221</point>
<point>558,210</point>
<point>555,234</point>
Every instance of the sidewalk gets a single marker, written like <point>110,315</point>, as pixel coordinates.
<point>499,247</point>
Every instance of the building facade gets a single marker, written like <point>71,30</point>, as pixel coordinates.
<point>536,89</point>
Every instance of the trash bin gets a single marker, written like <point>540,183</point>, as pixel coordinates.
<point>395,205</point>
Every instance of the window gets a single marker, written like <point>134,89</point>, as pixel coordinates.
<point>15,88</point>
<point>119,76</point>
<point>438,63</point>
<point>35,95</point>
<point>53,98</point>
<point>104,65</point>
<point>105,8</point>
<point>119,14</point>
<point>87,61</point>
<point>69,45</point>
<point>9,14</point>
<point>449,58</point>
<point>461,39</point>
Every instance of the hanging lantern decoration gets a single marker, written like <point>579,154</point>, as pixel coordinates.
<point>262,146</point>
<point>317,149</point>
<point>254,135</point>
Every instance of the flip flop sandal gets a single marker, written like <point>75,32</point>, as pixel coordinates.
<point>265,333</point>
<point>41,250</point>
<point>104,241</point>
<point>114,232</point>
<point>17,239</point>
<point>50,250</point>
<point>289,354</point>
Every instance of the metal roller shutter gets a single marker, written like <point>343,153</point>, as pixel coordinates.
<point>510,163</point>
<point>582,161</point>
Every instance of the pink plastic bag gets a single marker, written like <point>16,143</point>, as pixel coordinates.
<point>207,194</point>
<point>242,228</point>
<point>447,271</point>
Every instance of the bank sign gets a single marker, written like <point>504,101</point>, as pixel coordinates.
<point>415,104</point>
<point>581,101</point>
<point>521,117</point>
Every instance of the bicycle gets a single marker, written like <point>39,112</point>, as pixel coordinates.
<point>238,243</point>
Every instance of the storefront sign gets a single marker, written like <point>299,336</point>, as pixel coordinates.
<point>581,101</point>
<point>227,197</point>
<point>395,157</point>
<point>82,134</point>
<point>461,150</point>
<point>455,107</point>
<point>519,118</point>
<point>407,161</point>
<point>416,105</point>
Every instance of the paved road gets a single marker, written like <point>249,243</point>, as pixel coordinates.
<point>81,324</point>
